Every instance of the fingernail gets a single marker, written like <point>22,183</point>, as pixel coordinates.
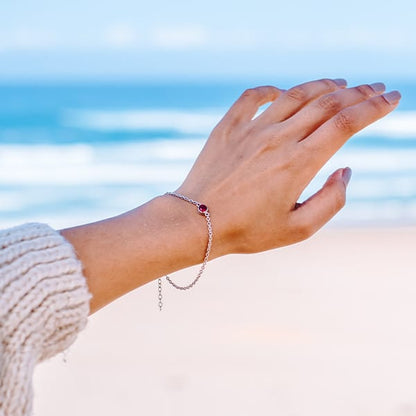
<point>340,82</point>
<point>378,87</point>
<point>392,97</point>
<point>346,176</point>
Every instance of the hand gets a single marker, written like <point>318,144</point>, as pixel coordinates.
<point>250,174</point>
<point>252,171</point>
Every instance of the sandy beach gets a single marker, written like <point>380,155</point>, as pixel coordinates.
<point>326,327</point>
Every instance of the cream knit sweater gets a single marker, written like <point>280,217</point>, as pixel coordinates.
<point>44,303</point>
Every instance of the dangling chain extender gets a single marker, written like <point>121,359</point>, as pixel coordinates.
<point>203,210</point>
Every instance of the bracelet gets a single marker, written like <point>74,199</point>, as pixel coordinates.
<point>203,210</point>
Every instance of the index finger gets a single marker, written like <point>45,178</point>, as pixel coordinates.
<point>247,105</point>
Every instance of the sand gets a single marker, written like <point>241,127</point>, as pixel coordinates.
<point>326,327</point>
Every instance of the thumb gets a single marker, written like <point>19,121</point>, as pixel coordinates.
<point>317,210</point>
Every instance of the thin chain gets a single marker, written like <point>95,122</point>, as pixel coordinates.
<point>160,297</point>
<point>184,198</point>
<point>202,209</point>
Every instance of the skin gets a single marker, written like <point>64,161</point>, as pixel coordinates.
<point>250,174</point>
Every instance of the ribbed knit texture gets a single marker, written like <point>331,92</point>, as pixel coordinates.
<point>44,303</point>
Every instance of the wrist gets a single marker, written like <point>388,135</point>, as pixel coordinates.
<point>124,252</point>
<point>184,233</point>
<point>189,210</point>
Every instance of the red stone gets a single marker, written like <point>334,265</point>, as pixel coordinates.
<point>202,208</point>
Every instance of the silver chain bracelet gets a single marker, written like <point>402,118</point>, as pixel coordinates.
<point>203,210</point>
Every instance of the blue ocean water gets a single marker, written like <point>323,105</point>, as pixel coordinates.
<point>75,153</point>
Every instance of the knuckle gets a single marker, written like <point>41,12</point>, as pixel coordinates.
<point>379,103</point>
<point>268,144</point>
<point>249,93</point>
<point>297,93</point>
<point>271,92</point>
<point>268,88</point>
<point>329,83</point>
<point>344,122</point>
<point>262,93</point>
<point>329,103</point>
<point>252,93</point>
<point>365,90</point>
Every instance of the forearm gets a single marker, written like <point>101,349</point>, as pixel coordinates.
<point>122,253</point>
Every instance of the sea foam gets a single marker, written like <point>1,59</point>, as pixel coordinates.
<point>187,122</point>
<point>400,124</point>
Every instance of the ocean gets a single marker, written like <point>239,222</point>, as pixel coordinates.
<point>75,153</point>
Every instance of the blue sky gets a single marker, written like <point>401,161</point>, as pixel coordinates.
<point>126,39</point>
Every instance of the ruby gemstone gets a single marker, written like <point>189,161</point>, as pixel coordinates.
<point>202,208</point>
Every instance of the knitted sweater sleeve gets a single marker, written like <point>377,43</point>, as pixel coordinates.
<point>44,303</point>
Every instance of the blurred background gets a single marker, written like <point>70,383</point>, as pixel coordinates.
<point>105,104</point>
<point>104,98</point>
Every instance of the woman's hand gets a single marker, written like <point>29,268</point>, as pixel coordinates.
<point>252,171</point>
<point>250,174</point>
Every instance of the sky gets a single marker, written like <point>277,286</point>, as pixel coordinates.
<point>133,39</point>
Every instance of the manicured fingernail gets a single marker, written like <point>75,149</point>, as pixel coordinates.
<point>340,82</point>
<point>346,175</point>
<point>378,87</point>
<point>392,97</point>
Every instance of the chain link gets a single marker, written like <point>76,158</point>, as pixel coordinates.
<point>202,209</point>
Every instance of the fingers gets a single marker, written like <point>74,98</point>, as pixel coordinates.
<point>331,135</point>
<point>246,107</point>
<point>297,97</point>
<point>312,116</point>
<point>316,211</point>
